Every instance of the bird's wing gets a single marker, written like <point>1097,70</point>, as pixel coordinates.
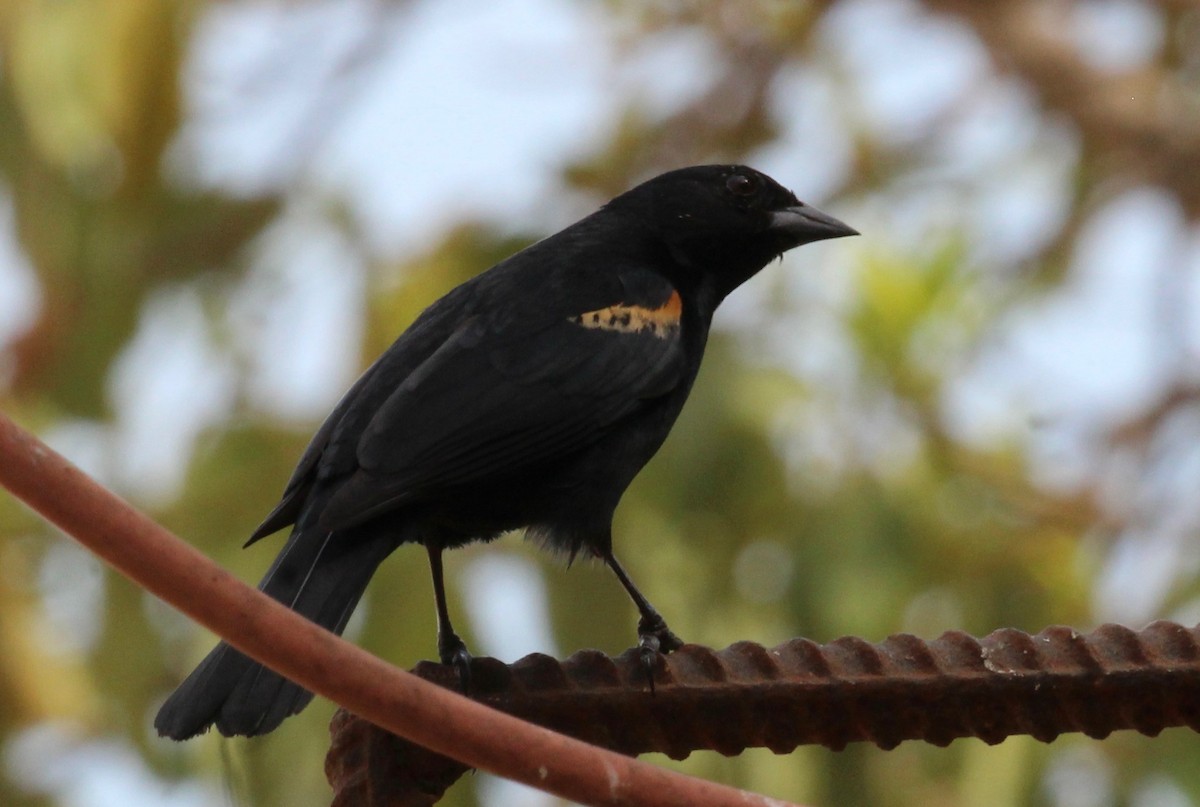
<point>498,396</point>
<point>332,451</point>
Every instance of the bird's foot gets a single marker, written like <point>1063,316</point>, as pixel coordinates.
<point>654,637</point>
<point>453,652</point>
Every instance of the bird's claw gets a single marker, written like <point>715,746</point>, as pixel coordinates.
<point>453,653</point>
<point>654,639</point>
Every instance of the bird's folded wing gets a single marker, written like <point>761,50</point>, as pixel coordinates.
<point>493,400</point>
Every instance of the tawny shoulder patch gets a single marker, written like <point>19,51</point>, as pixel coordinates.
<point>624,318</point>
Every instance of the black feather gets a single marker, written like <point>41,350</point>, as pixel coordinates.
<point>528,397</point>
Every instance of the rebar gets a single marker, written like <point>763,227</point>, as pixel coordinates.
<point>801,692</point>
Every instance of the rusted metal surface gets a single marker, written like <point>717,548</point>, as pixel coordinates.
<point>802,692</point>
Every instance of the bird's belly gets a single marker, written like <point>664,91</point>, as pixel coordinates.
<point>568,504</point>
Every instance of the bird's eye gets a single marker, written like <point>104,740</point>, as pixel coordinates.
<point>741,185</point>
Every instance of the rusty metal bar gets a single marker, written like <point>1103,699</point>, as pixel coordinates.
<point>802,692</point>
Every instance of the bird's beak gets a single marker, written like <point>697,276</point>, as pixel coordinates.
<point>806,224</point>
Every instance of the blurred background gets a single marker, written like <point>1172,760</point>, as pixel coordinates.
<point>985,412</point>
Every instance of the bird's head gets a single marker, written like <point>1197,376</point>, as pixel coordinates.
<point>723,223</point>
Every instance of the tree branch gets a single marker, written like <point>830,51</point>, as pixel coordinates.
<point>1140,120</point>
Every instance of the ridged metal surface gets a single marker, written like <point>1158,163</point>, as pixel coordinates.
<point>802,692</point>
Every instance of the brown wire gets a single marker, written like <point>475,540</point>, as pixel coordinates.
<point>323,663</point>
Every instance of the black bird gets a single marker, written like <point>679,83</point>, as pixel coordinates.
<point>529,396</point>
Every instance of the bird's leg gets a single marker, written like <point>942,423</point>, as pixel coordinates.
<point>654,636</point>
<point>451,649</point>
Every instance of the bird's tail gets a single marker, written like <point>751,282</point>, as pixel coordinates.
<point>320,575</point>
